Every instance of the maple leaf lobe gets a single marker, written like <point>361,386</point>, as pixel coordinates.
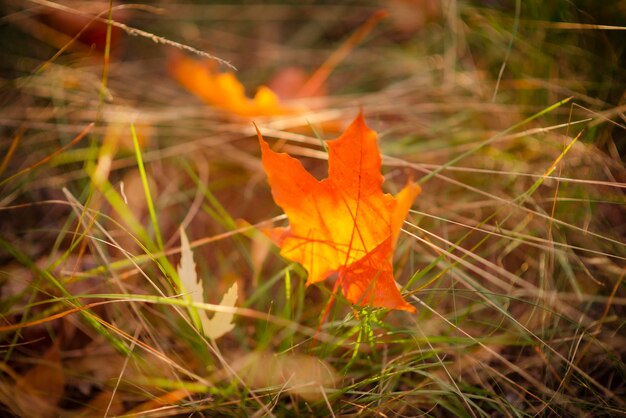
<point>223,90</point>
<point>343,224</point>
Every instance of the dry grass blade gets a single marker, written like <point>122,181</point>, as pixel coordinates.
<point>134,31</point>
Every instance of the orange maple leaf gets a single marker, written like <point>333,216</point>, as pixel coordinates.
<point>223,90</point>
<point>343,224</point>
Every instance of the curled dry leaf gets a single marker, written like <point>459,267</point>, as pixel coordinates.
<point>223,90</point>
<point>343,224</point>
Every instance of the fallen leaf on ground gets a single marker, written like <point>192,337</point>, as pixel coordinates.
<point>223,90</point>
<point>343,224</point>
<point>298,374</point>
<point>90,33</point>
<point>222,322</point>
<point>40,389</point>
<point>105,403</point>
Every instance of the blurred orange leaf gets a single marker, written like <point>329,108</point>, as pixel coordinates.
<point>343,224</point>
<point>223,90</point>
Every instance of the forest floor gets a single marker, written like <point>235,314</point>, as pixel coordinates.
<point>124,140</point>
